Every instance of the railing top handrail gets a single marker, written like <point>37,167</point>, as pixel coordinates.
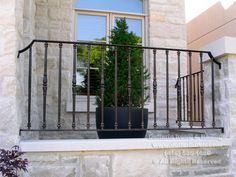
<point>116,45</point>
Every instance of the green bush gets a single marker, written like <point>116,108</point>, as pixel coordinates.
<point>121,35</point>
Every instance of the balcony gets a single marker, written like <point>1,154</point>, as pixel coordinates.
<point>177,84</point>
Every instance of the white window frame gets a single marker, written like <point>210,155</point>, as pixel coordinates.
<point>110,18</point>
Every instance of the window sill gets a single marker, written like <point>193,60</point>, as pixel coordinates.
<point>81,104</point>
<point>120,144</point>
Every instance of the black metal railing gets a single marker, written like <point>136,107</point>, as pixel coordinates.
<point>186,100</point>
<point>190,87</point>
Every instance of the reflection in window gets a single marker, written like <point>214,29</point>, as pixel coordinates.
<point>135,25</point>
<point>82,71</point>
<point>95,26</point>
<point>133,6</point>
<point>91,27</point>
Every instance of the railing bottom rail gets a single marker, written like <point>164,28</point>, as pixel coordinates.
<point>107,130</point>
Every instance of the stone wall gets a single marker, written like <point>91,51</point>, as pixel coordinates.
<point>204,162</point>
<point>225,84</point>
<point>55,21</point>
<point>225,99</point>
<point>11,83</point>
<point>166,28</point>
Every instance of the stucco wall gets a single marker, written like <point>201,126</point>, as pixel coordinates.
<point>204,29</point>
<point>214,23</point>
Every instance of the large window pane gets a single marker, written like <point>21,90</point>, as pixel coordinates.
<point>135,25</point>
<point>82,70</point>
<point>133,6</point>
<point>91,27</point>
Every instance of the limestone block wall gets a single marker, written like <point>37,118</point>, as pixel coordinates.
<point>225,92</point>
<point>28,36</point>
<point>11,85</point>
<point>226,99</point>
<point>55,21</point>
<point>171,162</point>
<point>166,28</point>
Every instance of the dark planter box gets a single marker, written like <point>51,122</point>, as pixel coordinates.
<point>122,115</point>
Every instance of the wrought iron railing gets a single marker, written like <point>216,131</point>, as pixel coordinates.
<point>190,88</point>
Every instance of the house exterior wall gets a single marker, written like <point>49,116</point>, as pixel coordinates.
<point>212,24</point>
<point>203,29</point>
<point>170,162</point>
<point>24,20</point>
<point>11,73</point>
<point>225,85</point>
<point>55,20</point>
<point>218,36</point>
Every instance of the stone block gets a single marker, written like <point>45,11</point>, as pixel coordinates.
<point>54,14</point>
<point>98,166</point>
<point>67,3</point>
<point>180,173</point>
<point>69,159</point>
<point>46,158</point>
<point>8,109</point>
<point>51,171</point>
<point>66,15</point>
<point>7,65</point>
<point>41,11</point>
<point>8,86</point>
<point>136,164</point>
<point>210,171</point>
<point>54,3</point>
<point>7,16</point>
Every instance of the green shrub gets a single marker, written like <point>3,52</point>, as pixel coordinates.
<point>121,35</point>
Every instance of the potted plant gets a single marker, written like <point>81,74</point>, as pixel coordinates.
<point>121,35</point>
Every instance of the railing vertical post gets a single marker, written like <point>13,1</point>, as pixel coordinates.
<point>102,90</point>
<point>142,88</point>
<point>179,93</point>
<point>59,87</point>
<point>154,88</point>
<point>213,93</point>
<point>194,97</point>
<point>74,84</point>
<point>184,98</point>
<point>190,89</point>
<point>129,86</point>
<point>187,97</point>
<point>198,97</point>
<point>45,82</point>
<point>29,88</point>
<point>116,86</point>
<point>167,88</point>
<point>88,87</point>
<point>202,92</point>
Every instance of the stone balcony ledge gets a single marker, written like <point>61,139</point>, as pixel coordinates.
<point>120,144</point>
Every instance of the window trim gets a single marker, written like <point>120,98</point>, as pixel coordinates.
<point>109,11</point>
<point>113,16</point>
<point>90,13</point>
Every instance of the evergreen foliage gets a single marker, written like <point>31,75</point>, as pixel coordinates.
<point>121,35</point>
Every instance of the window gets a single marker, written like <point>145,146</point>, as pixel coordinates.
<point>94,22</point>
<point>132,6</point>
<point>87,24</point>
